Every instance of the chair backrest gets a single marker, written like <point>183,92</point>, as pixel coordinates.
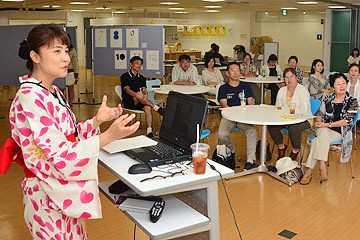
<point>118,91</point>
<point>315,105</point>
<point>355,119</point>
<point>217,90</point>
<point>327,73</point>
<point>149,85</point>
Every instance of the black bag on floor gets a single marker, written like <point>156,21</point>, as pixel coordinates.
<point>224,156</point>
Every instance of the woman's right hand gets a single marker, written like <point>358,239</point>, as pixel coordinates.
<point>119,129</point>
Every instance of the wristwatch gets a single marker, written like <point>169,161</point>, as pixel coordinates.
<point>329,125</point>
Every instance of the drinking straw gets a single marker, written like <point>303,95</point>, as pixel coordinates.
<point>197,138</point>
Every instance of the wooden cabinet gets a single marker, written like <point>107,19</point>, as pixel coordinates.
<point>176,55</point>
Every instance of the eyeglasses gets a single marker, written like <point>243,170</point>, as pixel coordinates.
<point>163,177</point>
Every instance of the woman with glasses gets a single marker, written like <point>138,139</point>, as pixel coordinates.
<point>60,156</point>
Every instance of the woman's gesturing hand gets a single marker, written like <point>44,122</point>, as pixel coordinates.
<point>106,113</point>
<point>119,129</point>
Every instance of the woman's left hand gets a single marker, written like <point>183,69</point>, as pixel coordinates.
<point>106,113</point>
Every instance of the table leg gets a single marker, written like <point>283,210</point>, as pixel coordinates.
<point>262,93</point>
<point>262,168</point>
<point>213,210</point>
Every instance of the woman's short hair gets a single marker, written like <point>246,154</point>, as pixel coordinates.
<point>207,60</point>
<point>353,65</point>
<point>247,54</point>
<point>293,57</point>
<point>289,70</point>
<point>352,52</point>
<point>335,76</point>
<point>312,71</point>
<point>272,57</point>
<point>39,36</point>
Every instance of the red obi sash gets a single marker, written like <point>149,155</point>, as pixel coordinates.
<point>11,151</point>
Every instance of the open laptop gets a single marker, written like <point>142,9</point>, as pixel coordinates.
<point>177,132</point>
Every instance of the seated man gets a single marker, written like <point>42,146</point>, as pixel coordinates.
<point>230,94</point>
<point>134,94</point>
<point>184,73</point>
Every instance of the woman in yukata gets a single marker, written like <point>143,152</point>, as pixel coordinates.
<point>60,156</point>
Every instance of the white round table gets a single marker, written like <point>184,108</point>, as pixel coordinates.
<point>262,80</point>
<point>262,115</point>
<point>165,89</point>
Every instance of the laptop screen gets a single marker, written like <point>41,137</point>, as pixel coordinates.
<point>182,114</point>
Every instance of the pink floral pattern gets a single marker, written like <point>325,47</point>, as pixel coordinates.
<point>66,172</point>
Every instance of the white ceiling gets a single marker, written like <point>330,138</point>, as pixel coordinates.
<point>191,6</point>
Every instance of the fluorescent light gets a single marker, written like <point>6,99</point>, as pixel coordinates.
<point>308,3</point>
<point>101,8</point>
<point>213,6</point>
<point>336,7</point>
<point>175,9</point>
<point>51,6</point>
<point>77,10</point>
<point>12,0</point>
<point>79,3</point>
<point>181,12</point>
<point>213,0</point>
<point>119,11</point>
<point>289,8</point>
<point>169,3</point>
<point>212,11</point>
<point>266,13</point>
<point>304,12</point>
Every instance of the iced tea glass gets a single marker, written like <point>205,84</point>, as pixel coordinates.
<point>199,156</point>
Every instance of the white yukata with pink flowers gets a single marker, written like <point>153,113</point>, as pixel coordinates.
<point>65,189</point>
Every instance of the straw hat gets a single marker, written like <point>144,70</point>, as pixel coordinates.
<point>285,164</point>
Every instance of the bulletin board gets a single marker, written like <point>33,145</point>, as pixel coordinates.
<point>114,46</point>
<point>11,65</point>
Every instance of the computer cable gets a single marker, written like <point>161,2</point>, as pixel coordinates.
<point>227,196</point>
<point>134,231</point>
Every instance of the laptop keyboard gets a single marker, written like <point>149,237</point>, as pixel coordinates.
<point>165,151</point>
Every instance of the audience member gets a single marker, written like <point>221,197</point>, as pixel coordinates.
<point>318,85</point>
<point>248,69</point>
<point>184,73</point>
<point>333,123</point>
<point>293,61</point>
<point>354,57</point>
<point>134,94</point>
<point>297,94</point>
<point>354,86</point>
<point>214,52</point>
<point>72,77</point>
<point>272,69</point>
<point>231,94</point>
<point>211,76</point>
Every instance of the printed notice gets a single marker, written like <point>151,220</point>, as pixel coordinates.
<point>136,53</point>
<point>120,59</point>
<point>116,38</point>
<point>152,60</point>
<point>132,38</point>
<point>100,37</point>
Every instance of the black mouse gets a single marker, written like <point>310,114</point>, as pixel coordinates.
<point>139,169</point>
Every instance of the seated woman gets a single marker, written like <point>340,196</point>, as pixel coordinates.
<point>298,94</point>
<point>354,57</point>
<point>354,85</point>
<point>211,76</point>
<point>272,69</point>
<point>333,123</point>
<point>293,61</point>
<point>318,84</point>
<point>248,69</point>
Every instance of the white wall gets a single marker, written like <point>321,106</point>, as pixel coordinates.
<point>327,39</point>
<point>296,38</point>
<point>238,32</point>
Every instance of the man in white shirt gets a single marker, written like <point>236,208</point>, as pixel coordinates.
<point>184,73</point>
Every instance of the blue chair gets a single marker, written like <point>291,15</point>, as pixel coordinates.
<point>204,133</point>
<point>151,94</point>
<point>315,106</point>
<point>340,142</point>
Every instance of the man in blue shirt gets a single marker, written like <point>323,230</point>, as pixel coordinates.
<point>230,94</point>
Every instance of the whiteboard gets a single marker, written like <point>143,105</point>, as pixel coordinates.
<point>270,48</point>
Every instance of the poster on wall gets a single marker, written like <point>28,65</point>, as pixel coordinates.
<point>136,53</point>
<point>152,60</point>
<point>214,31</point>
<point>120,59</point>
<point>132,38</point>
<point>116,38</point>
<point>100,37</point>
